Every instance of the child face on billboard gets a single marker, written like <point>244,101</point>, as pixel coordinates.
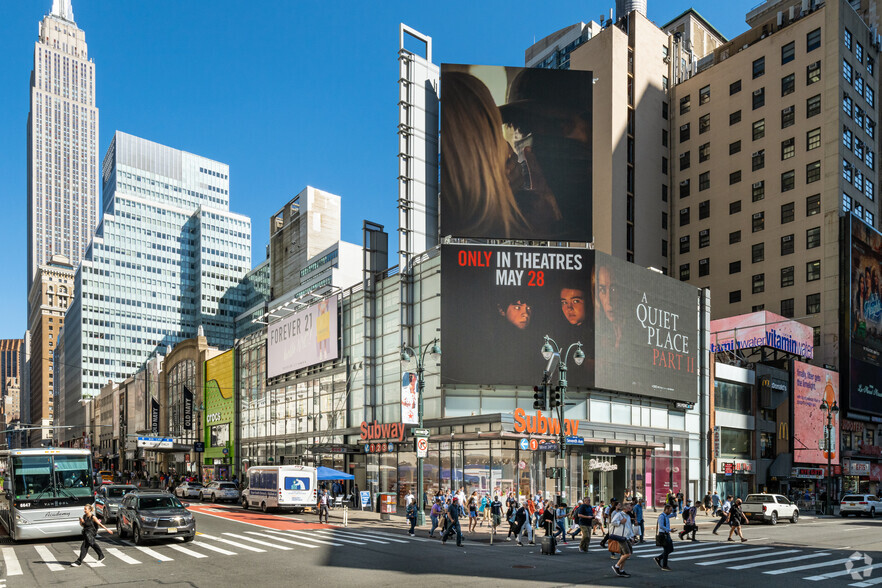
<point>572,304</point>
<point>518,313</point>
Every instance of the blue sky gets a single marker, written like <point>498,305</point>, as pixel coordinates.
<point>287,93</point>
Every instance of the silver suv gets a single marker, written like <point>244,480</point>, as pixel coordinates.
<point>108,498</point>
<point>152,515</point>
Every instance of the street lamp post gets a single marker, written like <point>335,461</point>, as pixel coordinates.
<point>434,349</point>
<point>831,411</point>
<point>550,350</point>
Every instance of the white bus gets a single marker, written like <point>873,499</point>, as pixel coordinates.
<point>44,490</point>
<point>289,487</point>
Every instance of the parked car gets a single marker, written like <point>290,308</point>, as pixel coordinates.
<point>769,508</point>
<point>108,498</point>
<point>188,490</point>
<point>220,491</point>
<point>860,504</point>
<point>153,514</point>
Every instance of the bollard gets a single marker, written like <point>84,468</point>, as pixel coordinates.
<point>345,516</point>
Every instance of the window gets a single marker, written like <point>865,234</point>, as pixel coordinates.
<point>859,84</point>
<point>813,303</point>
<point>703,238</point>
<point>758,160</point>
<point>734,296</point>
<point>813,40</point>
<point>813,139</point>
<point>704,153</point>
<point>813,238</point>
<point>734,177</point>
<point>847,105</point>
<point>733,397</point>
<point>758,221</point>
<point>759,129</point>
<point>757,253</point>
<point>847,71</point>
<point>664,220</point>
<point>758,283</point>
<point>816,336</point>
<point>788,180</point>
<point>704,181</point>
<point>846,171</point>
<point>788,116</point>
<point>813,271</point>
<point>870,95</point>
<point>787,212</point>
<point>684,244</point>
<point>759,67</point>
<point>813,205</point>
<point>847,137</point>
<point>685,104</point>
<point>734,87</point>
<point>846,202</point>
<point>813,106</point>
<point>665,110</point>
<point>684,216</point>
<point>703,267</point>
<point>859,52</point>
<point>869,159</point>
<point>787,308</point>
<point>870,127</point>
<point>684,188</point>
<point>684,132</point>
<point>735,117</point>
<point>788,52</point>
<point>786,277</point>
<point>704,95</point>
<point>665,83</point>
<point>704,124</point>
<point>788,148</point>
<point>684,160</point>
<point>734,267</point>
<point>758,190</point>
<point>846,39</point>
<point>664,167</point>
<point>868,189</point>
<point>788,84</point>
<point>735,207</point>
<point>812,73</point>
<point>704,209</point>
<point>813,172</point>
<point>664,137</point>
<point>734,237</point>
<point>684,272</point>
<point>759,98</point>
<point>786,245</point>
<point>734,147</point>
<point>868,218</point>
<point>859,180</point>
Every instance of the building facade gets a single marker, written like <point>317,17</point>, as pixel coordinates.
<point>10,360</point>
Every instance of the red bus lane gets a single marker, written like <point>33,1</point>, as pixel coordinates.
<point>256,518</point>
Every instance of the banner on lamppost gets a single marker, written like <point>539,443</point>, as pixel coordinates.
<point>188,409</point>
<point>409,410</point>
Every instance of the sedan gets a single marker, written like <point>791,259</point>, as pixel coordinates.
<point>220,491</point>
<point>108,498</point>
<point>189,490</point>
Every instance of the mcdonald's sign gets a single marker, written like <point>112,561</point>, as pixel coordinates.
<point>783,431</point>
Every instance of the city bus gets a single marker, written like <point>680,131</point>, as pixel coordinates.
<point>44,490</point>
<point>289,487</point>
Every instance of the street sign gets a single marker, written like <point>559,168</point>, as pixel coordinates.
<point>422,446</point>
<point>420,432</point>
<point>379,447</point>
<point>729,468</point>
<point>522,465</point>
<point>547,446</point>
<point>573,440</point>
<point>365,498</point>
<point>524,444</point>
<point>199,447</point>
<point>226,451</point>
<point>156,442</point>
<point>534,444</point>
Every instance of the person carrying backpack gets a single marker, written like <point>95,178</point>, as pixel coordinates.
<point>410,514</point>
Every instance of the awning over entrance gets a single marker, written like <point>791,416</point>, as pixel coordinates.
<point>323,473</point>
<point>782,466</point>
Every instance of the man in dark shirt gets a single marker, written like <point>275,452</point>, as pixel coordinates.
<point>453,514</point>
<point>496,512</point>
<point>585,520</point>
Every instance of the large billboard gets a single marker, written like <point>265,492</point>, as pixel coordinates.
<point>762,329</point>
<point>219,431</point>
<point>305,338</point>
<point>638,329</point>
<point>811,385</point>
<point>865,326</point>
<point>516,153</point>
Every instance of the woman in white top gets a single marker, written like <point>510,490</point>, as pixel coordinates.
<point>620,530</point>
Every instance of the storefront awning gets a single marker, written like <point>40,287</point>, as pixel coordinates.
<point>497,435</point>
<point>782,466</point>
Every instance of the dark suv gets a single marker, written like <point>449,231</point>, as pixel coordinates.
<point>108,498</point>
<point>153,514</point>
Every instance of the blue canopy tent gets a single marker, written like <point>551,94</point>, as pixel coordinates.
<point>324,473</point>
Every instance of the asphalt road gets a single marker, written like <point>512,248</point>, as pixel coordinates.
<point>239,548</point>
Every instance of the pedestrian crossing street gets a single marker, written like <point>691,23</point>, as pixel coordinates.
<point>813,564</point>
<point>56,557</point>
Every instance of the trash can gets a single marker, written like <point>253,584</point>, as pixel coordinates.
<point>549,546</point>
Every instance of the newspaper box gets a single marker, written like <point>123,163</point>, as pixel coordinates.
<point>388,505</point>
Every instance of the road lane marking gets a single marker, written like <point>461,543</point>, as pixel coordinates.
<point>829,575</point>
<point>303,537</point>
<point>730,560</point>
<point>50,560</point>
<point>93,563</point>
<point>189,552</point>
<point>336,536</point>
<point>823,564</point>
<point>788,560</point>
<point>265,543</point>
<point>213,548</point>
<point>233,543</point>
<point>330,535</point>
<point>13,568</point>
<point>866,583</point>
<point>702,550</point>
<point>288,541</point>
<point>114,551</point>
<point>703,555</point>
<point>153,554</point>
<point>383,536</point>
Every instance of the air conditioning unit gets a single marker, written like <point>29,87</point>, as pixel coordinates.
<point>758,92</point>
<point>757,184</point>
<point>684,183</point>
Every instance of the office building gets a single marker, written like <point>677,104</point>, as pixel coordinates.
<point>11,400</point>
<point>166,261</point>
<point>10,360</point>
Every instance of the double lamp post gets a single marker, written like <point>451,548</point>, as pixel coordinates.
<point>831,411</point>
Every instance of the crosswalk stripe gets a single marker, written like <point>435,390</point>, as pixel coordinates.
<point>777,561</point>
<point>366,534</point>
<point>866,583</point>
<point>336,535</point>
<point>189,552</point>
<point>13,568</point>
<point>306,537</point>
<point>93,563</point>
<point>829,575</point>
<point>214,548</point>
<point>233,543</point>
<point>704,555</point>
<point>730,560</point>
<point>264,543</point>
<point>822,564</point>
<point>50,560</point>
<point>154,554</point>
<point>696,550</point>
<point>114,551</point>
<point>330,535</point>
<point>288,541</point>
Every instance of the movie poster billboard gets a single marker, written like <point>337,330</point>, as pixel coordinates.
<point>811,386</point>
<point>499,302</point>
<point>646,331</point>
<point>304,338</point>
<point>865,326</point>
<point>516,153</point>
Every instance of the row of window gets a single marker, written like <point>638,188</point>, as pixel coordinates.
<point>858,51</point>
<point>812,237</point>
<point>853,175</point>
<point>863,89</point>
<point>857,114</point>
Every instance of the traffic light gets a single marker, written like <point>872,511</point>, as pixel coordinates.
<point>540,400</point>
<point>556,398</point>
